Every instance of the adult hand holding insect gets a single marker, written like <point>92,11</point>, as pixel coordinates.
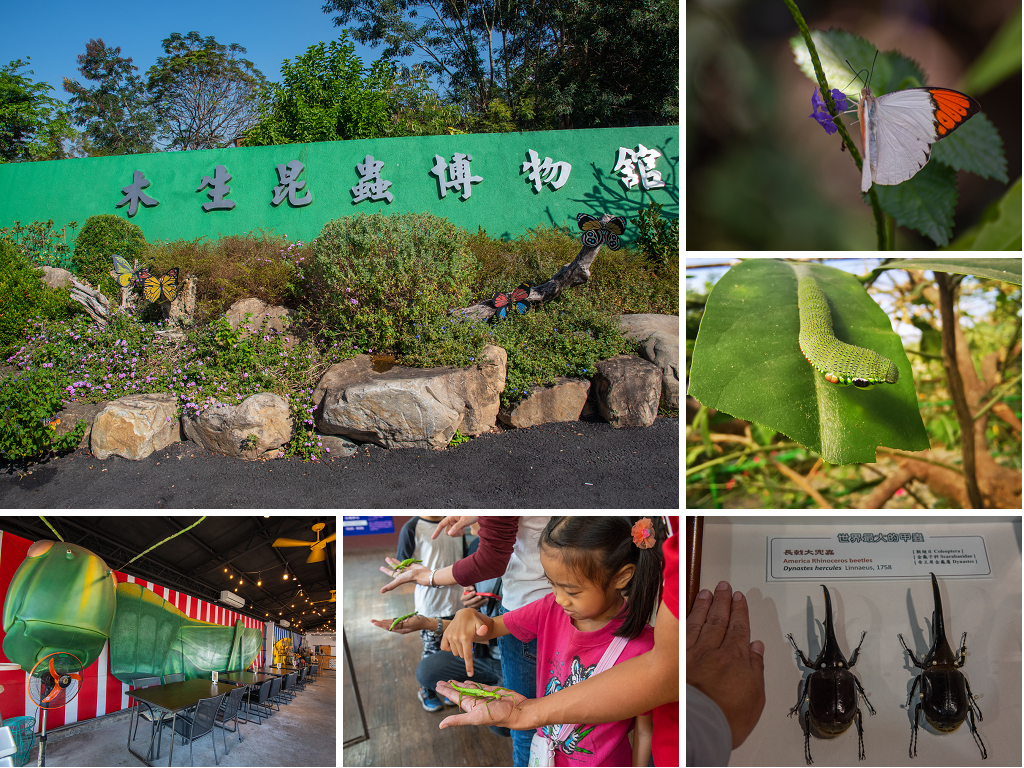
<point>402,572</point>
<point>467,627</point>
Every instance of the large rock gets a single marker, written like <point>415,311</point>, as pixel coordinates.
<point>627,390</point>
<point>278,320</point>
<point>562,401</point>
<point>410,407</point>
<point>134,426</point>
<point>54,277</point>
<point>660,334</point>
<point>226,428</point>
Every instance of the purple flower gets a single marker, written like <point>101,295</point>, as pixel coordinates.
<point>820,112</point>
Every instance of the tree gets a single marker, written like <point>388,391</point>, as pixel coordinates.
<point>33,126</point>
<point>325,95</point>
<point>203,94</point>
<point>116,114</point>
<point>552,63</point>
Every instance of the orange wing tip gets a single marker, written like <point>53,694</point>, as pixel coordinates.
<point>952,108</point>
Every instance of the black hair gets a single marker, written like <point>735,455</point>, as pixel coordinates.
<point>596,548</point>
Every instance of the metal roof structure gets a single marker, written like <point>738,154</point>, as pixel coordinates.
<point>232,553</point>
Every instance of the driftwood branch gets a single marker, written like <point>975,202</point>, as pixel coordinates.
<point>95,303</point>
<point>572,274</point>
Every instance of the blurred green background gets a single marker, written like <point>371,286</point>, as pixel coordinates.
<point>762,175</point>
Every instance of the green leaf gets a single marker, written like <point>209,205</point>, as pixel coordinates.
<point>924,202</point>
<point>976,147</point>
<point>747,362</point>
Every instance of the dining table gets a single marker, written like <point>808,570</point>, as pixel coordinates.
<point>172,698</point>
<point>246,678</point>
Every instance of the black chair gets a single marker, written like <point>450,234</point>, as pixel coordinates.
<point>149,714</point>
<point>300,683</point>
<point>314,672</point>
<point>229,711</point>
<point>288,687</point>
<point>199,724</point>
<point>259,700</point>
<point>275,692</point>
<point>177,677</point>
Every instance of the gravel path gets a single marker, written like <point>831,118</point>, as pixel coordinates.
<point>570,465</point>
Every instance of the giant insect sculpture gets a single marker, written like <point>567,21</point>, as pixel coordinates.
<point>63,598</point>
<point>842,363</point>
<point>946,697</point>
<point>831,689</point>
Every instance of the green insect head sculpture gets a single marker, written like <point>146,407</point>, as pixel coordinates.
<point>62,598</point>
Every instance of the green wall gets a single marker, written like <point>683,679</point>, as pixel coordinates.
<point>504,203</point>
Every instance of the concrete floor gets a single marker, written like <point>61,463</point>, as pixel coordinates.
<point>303,734</point>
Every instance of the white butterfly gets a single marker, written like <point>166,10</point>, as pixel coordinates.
<point>897,130</point>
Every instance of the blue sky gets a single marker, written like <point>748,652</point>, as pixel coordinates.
<point>55,33</point>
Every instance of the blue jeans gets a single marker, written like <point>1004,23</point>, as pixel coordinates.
<point>519,672</point>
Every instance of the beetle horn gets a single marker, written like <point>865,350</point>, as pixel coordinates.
<point>938,628</point>
<point>830,632</point>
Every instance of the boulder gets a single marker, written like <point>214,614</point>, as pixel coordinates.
<point>410,407</point>
<point>54,277</point>
<point>72,413</point>
<point>278,319</point>
<point>182,310</point>
<point>660,334</point>
<point>226,428</point>
<point>134,426</point>
<point>337,447</point>
<point>562,401</point>
<point>627,390</point>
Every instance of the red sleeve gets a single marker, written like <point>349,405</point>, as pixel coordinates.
<point>665,744</point>
<point>497,537</point>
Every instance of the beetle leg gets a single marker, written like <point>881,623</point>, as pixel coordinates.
<point>962,655</point>
<point>856,653</point>
<point>803,696</point>
<point>974,731</point>
<point>807,663</point>
<point>913,728</point>
<point>864,695</point>
<point>971,701</point>
<point>913,657</point>
<point>807,740</point>
<point>913,688</point>
<point>860,733</point>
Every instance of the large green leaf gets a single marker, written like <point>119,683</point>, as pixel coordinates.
<point>747,362</point>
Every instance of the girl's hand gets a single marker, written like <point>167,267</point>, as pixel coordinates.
<point>412,574</point>
<point>412,624</point>
<point>500,711</point>
<point>458,635</point>
<point>456,525</point>
<point>470,599</point>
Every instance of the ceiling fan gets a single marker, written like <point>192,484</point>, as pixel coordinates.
<point>334,598</point>
<point>318,551</point>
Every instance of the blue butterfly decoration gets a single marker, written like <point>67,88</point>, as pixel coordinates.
<point>519,298</point>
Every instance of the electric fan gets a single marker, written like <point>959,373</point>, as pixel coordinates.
<point>316,548</point>
<point>52,683</point>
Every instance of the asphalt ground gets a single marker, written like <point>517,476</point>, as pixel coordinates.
<point>566,465</point>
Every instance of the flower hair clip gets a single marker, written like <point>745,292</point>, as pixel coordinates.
<point>643,533</point>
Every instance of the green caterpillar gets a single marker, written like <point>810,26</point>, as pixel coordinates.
<point>841,363</point>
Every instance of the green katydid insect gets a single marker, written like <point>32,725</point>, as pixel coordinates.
<point>400,619</point>
<point>842,364</point>
<point>404,564</point>
<point>481,693</point>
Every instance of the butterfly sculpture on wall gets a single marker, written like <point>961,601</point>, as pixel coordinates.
<point>519,298</point>
<point>161,289</point>
<point>124,273</point>
<point>594,232</point>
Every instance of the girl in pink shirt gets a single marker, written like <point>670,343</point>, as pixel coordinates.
<point>605,576</point>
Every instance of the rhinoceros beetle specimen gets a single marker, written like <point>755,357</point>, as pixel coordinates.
<point>831,689</point>
<point>946,696</point>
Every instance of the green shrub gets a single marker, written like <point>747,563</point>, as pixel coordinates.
<point>374,277</point>
<point>100,238</point>
<point>41,244</point>
<point>26,400</point>
<point>24,297</point>
<point>657,238</point>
